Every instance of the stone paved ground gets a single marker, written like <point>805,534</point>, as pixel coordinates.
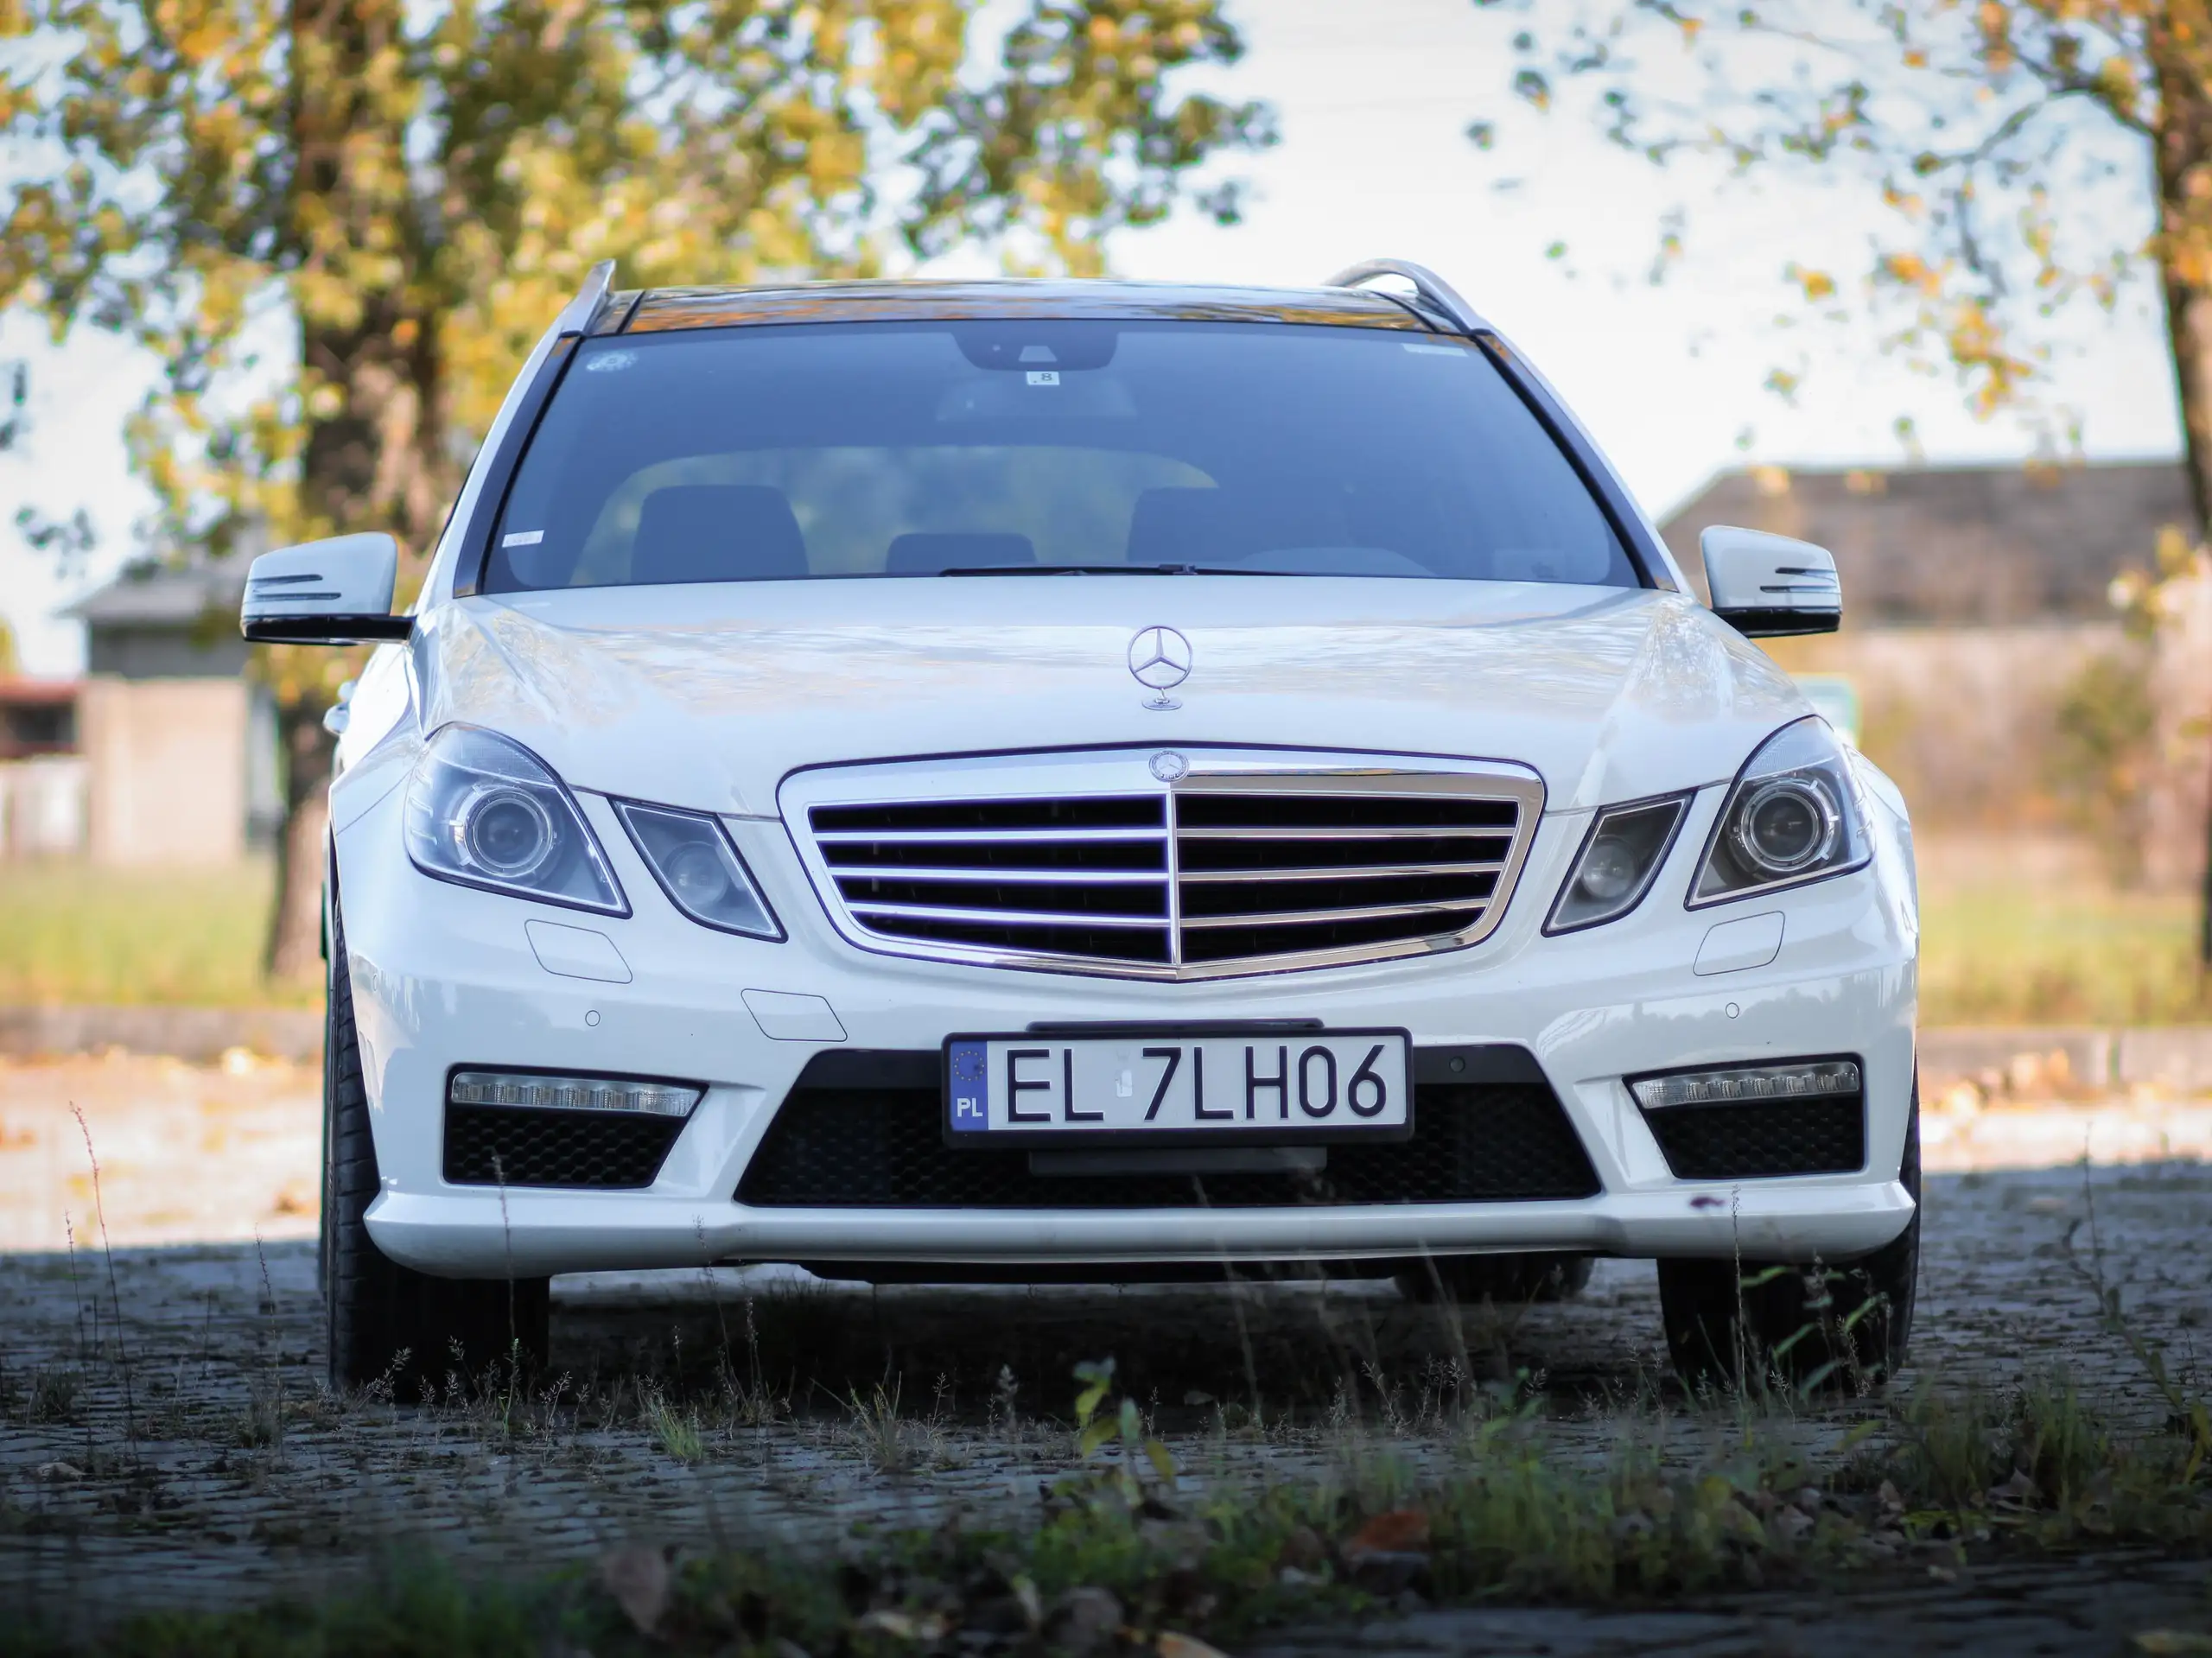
<point>185,1453</point>
<point>201,1460</point>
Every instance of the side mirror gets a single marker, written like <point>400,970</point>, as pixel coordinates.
<point>1767,585</point>
<point>333,592</point>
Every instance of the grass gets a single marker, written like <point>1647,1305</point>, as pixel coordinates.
<point>70,932</point>
<point>2025,954</point>
<point>1938,1479</point>
<point>2016,953</point>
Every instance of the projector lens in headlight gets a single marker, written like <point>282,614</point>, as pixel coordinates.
<point>506,832</point>
<point>1747,1084</point>
<point>532,1091</point>
<point>1787,824</point>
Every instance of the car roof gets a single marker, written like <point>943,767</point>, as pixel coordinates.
<point>657,310</point>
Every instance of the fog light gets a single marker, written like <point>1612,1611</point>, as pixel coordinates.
<point>532,1091</point>
<point>1747,1084</point>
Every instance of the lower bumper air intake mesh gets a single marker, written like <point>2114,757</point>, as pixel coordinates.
<point>491,1145</point>
<point>1762,1139</point>
<point>863,1130</point>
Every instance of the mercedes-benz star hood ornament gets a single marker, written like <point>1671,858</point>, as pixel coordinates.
<point>1160,660</point>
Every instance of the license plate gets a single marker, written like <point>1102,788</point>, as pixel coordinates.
<point>1253,1087</point>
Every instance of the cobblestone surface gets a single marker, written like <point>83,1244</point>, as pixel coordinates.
<point>185,1452</point>
<point>2114,1605</point>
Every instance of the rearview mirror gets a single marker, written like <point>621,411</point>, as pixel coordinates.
<point>333,592</point>
<point>1766,586</point>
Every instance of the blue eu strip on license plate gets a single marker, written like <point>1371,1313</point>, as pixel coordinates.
<point>967,1078</point>
<point>1290,1085</point>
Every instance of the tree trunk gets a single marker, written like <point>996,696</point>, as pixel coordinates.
<point>296,919</point>
<point>374,457</point>
<point>2181,57</point>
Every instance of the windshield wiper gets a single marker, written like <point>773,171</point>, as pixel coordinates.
<point>1101,570</point>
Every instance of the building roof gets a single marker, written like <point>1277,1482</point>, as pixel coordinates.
<point>151,595</point>
<point>21,690</point>
<point>1960,544</point>
<point>1007,298</point>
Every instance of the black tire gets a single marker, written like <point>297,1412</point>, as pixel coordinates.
<point>386,1322</point>
<point>1839,1326</point>
<point>1500,1279</point>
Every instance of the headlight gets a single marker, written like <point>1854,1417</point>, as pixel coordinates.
<point>691,857</point>
<point>484,811</point>
<point>1792,816</point>
<point>1620,858</point>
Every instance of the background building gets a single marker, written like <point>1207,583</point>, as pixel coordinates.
<point>165,752</point>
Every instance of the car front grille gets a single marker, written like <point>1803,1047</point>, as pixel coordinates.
<point>1238,870</point>
<point>1765,1138</point>
<point>491,1145</point>
<point>865,1131</point>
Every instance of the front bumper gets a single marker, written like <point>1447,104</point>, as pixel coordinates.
<point>446,976</point>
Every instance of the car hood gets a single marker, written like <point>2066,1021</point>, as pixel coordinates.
<point>709,697</point>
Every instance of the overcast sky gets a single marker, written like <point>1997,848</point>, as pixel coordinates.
<point>1374,98</point>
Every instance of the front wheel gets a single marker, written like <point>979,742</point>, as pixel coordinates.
<point>1820,1326</point>
<point>387,1324</point>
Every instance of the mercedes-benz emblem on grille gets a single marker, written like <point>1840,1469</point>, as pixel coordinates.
<point>1161,658</point>
<point>1168,766</point>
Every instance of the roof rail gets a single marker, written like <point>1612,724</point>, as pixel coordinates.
<point>1438,294</point>
<point>583,311</point>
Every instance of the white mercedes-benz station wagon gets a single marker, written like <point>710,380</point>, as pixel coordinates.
<point>1044,781</point>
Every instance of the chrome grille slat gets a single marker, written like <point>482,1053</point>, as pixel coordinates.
<point>1376,832</point>
<point>1341,872</point>
<point>1306,917</point>
<point>1252,862</point>
<point>831,837</point>
<point>1011,917</point>
<point>1018,875</point>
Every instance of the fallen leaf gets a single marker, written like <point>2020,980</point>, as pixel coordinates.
<point>637,1576</point>
<point>2170,1643</point>
<point>1173,1645</point>
<point>1402,1531</point>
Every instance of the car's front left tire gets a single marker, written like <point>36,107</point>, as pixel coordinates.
<point>1825,1326</point>
<point>387,1324</point>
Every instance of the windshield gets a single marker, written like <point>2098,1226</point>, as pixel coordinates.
<point>1003,448</point>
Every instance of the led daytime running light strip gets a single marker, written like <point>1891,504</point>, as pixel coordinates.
<point>570,1093</point>
<point>1747,1084</point>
